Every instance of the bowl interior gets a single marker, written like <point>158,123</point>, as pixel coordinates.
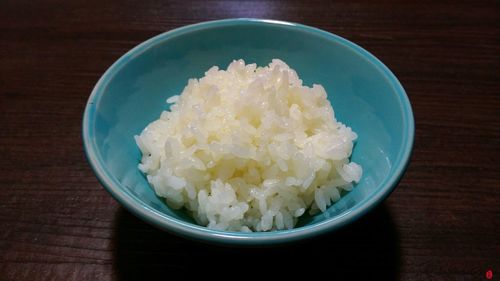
<point>133,93</point>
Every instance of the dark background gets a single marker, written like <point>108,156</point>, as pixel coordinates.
<point>441,223</point>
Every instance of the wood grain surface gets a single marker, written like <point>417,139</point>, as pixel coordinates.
<point>441,223</point>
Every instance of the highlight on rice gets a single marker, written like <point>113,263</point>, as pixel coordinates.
<point>249,149</point>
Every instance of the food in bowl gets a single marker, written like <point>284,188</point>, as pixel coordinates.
<point>249,149</point>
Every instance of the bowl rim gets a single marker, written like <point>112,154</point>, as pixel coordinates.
<point>197,232</point>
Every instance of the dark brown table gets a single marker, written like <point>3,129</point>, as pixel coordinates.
<point>441,223</point>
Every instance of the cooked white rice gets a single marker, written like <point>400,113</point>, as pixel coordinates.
<point>249,149</point>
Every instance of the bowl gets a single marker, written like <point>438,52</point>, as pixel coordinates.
<point>132,92</point>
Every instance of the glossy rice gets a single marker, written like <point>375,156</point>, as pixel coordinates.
<point>249,149</point>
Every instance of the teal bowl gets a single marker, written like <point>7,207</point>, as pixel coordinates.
<point>132,93</point>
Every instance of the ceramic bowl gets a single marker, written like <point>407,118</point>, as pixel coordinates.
<point>365,95</point>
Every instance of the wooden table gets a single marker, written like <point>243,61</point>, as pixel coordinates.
<point>441,223</point>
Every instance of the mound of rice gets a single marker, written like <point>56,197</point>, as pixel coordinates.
<point>249,149</point>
